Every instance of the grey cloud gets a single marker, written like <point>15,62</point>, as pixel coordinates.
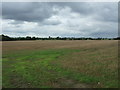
<point>16,22</point>
<point>72,21</point>
<point>51,22</point>
<point>39,11</point>
<point>104,11</point>
<point>26,11</point>
<point>104,34</point>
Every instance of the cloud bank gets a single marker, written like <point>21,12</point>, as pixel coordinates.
<point>65,19</point>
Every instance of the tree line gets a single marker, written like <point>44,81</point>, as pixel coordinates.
<point>7,38</point>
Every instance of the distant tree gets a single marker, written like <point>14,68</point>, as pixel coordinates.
<point>0,37</point>
<point>57,38</point>
<point>50,38</point>
<point>118,38</point>
<point>28,38</point>
<point>33,38</point>
<point>5,38</point>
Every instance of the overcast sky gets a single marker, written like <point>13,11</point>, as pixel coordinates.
<point>64,19</point>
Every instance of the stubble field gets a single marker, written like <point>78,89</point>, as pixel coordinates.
<point>60,64</point>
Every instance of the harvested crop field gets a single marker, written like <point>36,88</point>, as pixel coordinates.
<point>60,64</point>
